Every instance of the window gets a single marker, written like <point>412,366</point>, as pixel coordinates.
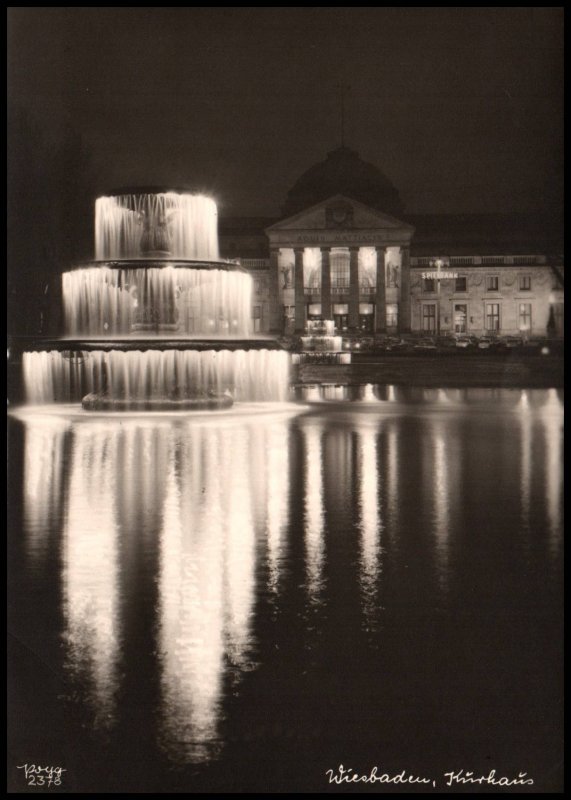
<point>429,317</point>
<point>366,317</point>
<point>392,315</point>
<point>429,284</point>
<point>525,283</point>
<point>460,285</point>
<point>257,315</point>
<point>366,323</point>
<point>339,268</point>
<point>492,283</point>
<point>257,286</point>
<point>525,317</point>
<point>460,317</point>
<point>492,316</point>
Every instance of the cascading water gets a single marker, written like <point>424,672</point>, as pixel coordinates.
<point>165,224</point>
<point>105,302</point>
<point>177,289</point>
<point>64,377</point>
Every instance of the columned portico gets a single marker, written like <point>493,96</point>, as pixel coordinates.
<point>326,282</point>
<point>347,235</point>
<point>380,292</point>
<point>353,289</point>
<point>299,290</point>
<point>276,313</point>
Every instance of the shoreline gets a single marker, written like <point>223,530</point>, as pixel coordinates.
<point>439,371</point>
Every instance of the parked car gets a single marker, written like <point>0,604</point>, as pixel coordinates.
<point>392,343</point>
<point>511,342</point>
<point>486,343</point>
<point>425,344</point>
<point>464,342</point>
<point>446,342</point>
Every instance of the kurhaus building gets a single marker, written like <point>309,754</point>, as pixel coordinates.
<point>345,250</point>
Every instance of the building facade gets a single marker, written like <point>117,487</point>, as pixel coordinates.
<point>346,258</point>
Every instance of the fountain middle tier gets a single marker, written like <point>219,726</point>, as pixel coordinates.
<point>68,376</point>
<point>193,299</point>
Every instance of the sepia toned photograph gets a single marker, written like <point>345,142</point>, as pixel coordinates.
<point>285,295</point>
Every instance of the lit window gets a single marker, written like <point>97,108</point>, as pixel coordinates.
<point>493,283</point>
<point>525,316</point>
<point>392,315</point>
<point>460,285</point>
<point>339,262</point>
<point>525,283</point>
<point>492,316</point>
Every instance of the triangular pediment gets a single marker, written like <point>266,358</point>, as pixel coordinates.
<point>339,212</point>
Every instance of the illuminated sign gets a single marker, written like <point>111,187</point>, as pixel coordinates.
<point>440,275</point>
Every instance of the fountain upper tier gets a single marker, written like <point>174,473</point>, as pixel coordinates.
<point>148,225</point>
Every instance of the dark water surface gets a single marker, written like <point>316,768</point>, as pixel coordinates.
<point>241,601</point>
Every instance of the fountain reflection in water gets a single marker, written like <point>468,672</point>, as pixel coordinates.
<point>91,574</point>
<point>165,535</point>
<point>370,520</point>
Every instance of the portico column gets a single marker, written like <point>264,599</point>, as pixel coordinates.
<point>299,291</point>
<point>380,294</point>
<point>404,305</point>
<point>325,283</point>
<point>276,313</point>
<point>353,288</point>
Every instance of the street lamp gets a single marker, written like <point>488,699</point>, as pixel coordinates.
<point>438,264</point>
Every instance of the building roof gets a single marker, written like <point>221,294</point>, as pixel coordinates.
<point>343,172</point>
<point>440,234</point>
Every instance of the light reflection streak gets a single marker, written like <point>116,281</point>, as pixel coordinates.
<point>552,418</point>
<point>215,505</point>
<point>393,478</point>
<point>443,494</point>
<point>43,480</point>
<point>90,572</point>
<point>526,426</point>
<point>314,512</point>
<point>277,478</point>
<point>238,492</point>
<point>370,518</point>
<point>191,613</point>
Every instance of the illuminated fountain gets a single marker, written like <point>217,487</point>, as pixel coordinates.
<point>158,321</point>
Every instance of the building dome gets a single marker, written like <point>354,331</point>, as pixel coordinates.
<point>343,172</point>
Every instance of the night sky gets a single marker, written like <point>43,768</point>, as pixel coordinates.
<point>461,108</point>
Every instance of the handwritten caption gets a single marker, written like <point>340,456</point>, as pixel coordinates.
<point>35,775</point>
<point>348,775</point>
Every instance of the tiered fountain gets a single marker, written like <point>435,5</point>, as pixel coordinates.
<point>158,321</point>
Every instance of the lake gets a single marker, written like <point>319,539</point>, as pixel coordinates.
<point>241,601</point>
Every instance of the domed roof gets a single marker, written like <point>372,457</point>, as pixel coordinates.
<point>343,172</point>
